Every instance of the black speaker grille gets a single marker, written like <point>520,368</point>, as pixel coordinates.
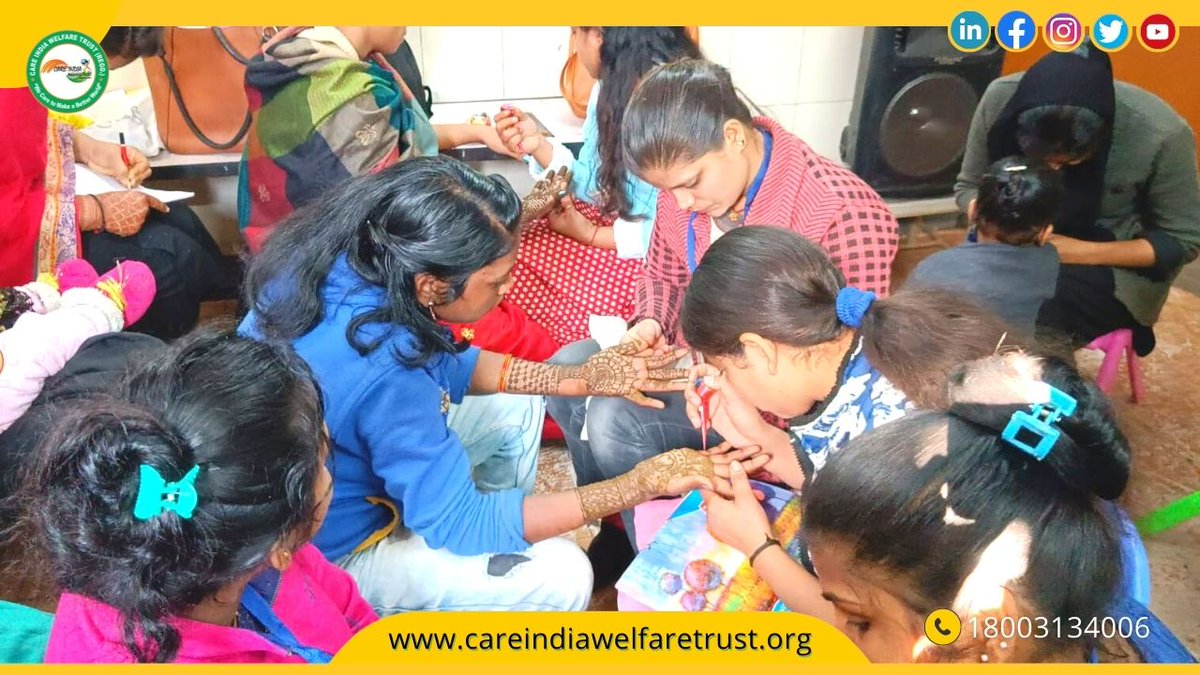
<point>924,127</point>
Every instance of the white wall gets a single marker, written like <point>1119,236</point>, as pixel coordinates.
<point>803,76</point>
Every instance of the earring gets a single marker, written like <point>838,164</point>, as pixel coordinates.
<point>1003,645</point>
<point>742,143</point>
<point>983,658</point>
<point>430,306</point>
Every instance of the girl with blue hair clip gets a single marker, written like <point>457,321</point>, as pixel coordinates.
<point>175,516</point>
<point>1008,493</point>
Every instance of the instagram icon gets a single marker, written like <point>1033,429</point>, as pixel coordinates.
<point>1064,32</point>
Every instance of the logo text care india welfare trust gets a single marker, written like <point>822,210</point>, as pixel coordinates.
<point>67,71</point>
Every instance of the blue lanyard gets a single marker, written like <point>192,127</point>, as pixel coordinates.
<point>277,633</point>
<point>758,181</point>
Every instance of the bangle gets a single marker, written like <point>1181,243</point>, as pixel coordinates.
<point>595,231</point>
<point>502,385</point>
<point>771,541</point>
<point>103,217</point>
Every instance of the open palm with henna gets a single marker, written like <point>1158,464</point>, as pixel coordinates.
<point>619,371</point>
<point>546,194</point>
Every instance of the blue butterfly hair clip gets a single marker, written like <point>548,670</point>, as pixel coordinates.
<point>156,496</point>
<point>1034,432</point>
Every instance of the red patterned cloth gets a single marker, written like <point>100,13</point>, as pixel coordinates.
<point>802,191</point>
<point>559,282</point>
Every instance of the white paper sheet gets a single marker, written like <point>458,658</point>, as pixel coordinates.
<point>88,182</point>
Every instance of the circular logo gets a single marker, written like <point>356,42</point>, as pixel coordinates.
<point>1158,33</point>
<point>1110,33</point>
<point>1064,33</point>
<point>1016,31</point>
<point>67,71</point>
<point>942,626</point>
<point>969,31</point>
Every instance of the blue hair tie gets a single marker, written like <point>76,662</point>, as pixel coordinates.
<point>852,305</point>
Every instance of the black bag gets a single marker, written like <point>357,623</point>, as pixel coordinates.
<point>405,63</point>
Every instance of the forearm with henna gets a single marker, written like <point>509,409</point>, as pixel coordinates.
<point>609,373</point>
<point>649,479</point>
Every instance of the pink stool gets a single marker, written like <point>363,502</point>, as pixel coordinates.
<point>1114,345</point>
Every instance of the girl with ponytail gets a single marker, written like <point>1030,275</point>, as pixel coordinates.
<point>176,515</point>
<point>994,509</point>
<point>781,333</point>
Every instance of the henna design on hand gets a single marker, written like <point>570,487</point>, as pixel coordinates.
<point>615,371</point>
<point>546,194</point>
<point>649,479</point>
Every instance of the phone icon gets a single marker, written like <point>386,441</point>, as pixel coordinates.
<point>942,626</point>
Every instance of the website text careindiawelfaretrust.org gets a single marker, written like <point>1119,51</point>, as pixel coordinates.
<point>637,638</point>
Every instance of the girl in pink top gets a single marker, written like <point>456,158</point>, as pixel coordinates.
<point>176,515</point>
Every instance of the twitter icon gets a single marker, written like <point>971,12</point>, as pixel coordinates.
<point>1110,33</point>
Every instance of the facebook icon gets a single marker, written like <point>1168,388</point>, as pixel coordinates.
<point>1016,31</point>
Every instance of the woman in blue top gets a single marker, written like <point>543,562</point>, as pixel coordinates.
<point>994,509</point>
<point>432,509</point>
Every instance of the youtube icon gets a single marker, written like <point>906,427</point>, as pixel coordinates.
<point>1158,33</point>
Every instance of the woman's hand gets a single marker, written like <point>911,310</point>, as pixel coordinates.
<point>728,414</point>
<point>569,222</point>
<point>673,473</point>
<point>106,160</point>
<point>488,136</point>
<point>624,371</point>
<point>546,194</point>
<point>120,213</point>
<point>738,519</point>
<point>517,131</point>
<point>647,336</point>
<point>751,458</point>
<point>1072,251</point>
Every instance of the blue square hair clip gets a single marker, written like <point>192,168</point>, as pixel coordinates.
<point>1034,432</point>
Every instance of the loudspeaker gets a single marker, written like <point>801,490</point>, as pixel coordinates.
<point>913,104</point>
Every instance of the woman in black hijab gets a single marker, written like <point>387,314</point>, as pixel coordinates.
<point>1130,213</point>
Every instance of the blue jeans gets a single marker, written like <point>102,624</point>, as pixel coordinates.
<point>501,434</point>
<point>620,433</point>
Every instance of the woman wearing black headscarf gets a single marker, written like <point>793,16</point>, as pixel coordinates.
<point>1130,214</point>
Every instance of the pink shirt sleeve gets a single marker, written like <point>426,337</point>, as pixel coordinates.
<point>339,586</point>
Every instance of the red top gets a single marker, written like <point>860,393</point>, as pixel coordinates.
<point>22,183</point>
<point>802,191</point>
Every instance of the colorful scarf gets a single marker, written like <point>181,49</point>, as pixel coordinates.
<point>320,117</point>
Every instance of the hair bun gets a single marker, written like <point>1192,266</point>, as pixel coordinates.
<point>1091,454</point>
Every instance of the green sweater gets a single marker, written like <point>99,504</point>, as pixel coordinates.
<point>1151,188</point>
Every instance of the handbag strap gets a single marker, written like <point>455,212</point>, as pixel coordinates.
<point>187,117</point>
<point>229,48</point>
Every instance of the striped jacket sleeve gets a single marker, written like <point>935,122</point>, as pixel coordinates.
<point>660,288</point>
